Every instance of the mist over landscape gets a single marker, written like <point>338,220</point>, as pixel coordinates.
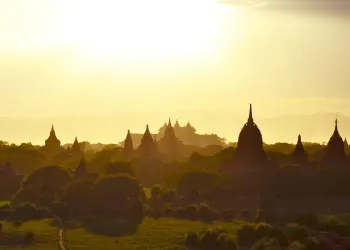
<point>175,124</point>
<point>288,58</point>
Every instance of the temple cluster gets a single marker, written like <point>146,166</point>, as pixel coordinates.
<point>249,154</point>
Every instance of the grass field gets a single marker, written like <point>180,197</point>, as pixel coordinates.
<point>152,234</point>
<point>2,203</point>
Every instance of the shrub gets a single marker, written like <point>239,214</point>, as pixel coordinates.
<point>211,238</point>
<point>206,212</point>
<point>266,244</point>
<point>245,215</point>
<point>296,245</point>
<point>308,220</point>
<point>5,207</point>
<point>191,239</point>
<point>280,236</point>
<point>246,234</point>
<point>27,211</point>
<point>227,215</point>
<point>263,230</point>
<point>191,212</point>
<point>263,215</point>
<point>312,243</point>
<point>296,232</point>
<point>29,238</point>
<point>226,242</point>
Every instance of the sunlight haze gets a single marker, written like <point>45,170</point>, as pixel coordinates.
<point>192,60</point>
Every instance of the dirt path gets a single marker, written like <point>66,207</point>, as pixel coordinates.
<point>61,243</point>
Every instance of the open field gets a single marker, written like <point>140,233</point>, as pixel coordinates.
<point>42,228</point>
<point>2,203</point>
<point>152,234</point>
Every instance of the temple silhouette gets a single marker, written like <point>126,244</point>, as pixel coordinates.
<point>168,143</point>
<point>186,134</point>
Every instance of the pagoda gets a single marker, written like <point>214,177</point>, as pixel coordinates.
<point>170,144</point>
<point>76,149</point>
<point>148,146</point>
<point>128,149</point>
<point>335,152</point>
<point>250,153</point>
<point>81,170</point>
<point>299,155</point>
<point>52,144</point>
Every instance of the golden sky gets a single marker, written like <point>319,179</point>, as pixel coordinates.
<point>75,57</point>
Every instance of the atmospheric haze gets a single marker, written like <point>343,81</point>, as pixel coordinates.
<point>124,64</point>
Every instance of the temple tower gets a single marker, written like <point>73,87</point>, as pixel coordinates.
<point>335,152</point>
<point>81,170</point>
<point>128,149</point>
<point>52,144</point>
<point>299,155</point>
<point>76,149</point>
<point>169,144</point>
<point>250,152</point>
<point>147,147</point>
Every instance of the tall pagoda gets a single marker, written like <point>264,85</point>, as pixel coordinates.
<point>250,152</point>
<point>52,144</point>
<point>335,152</point>
<point>299,155</point>
<point>128,149</point>
<point>148,146</point>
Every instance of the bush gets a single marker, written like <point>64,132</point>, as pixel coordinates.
<point>296,232</point>
<point>263,215</point>
<point>296,245</point>
<point>267,244</point>
<point>263,230</point>
<point>191,239</point>
<point>246,234</point>
<point>312,243</point>
<point>211,238</point>
<point>5,207</point>
<point>29,238</point>
<point>191,212</point>
<point>308,220</point>
<point>245,215</point>
<point>227,215</point>
<point>205,212</point>
<point>27,211</point>
<point>226,242</point>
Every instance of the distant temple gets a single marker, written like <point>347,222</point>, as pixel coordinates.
<point>81,170</point>
<point>170,145</point>
<point>52,144</point>
<point>299,155</point>
<point>76,149</point>
<point>335,150</point>
<point>148,147</point>
<point>128,149</point>
<point>186,134</point>
<point>250,152</point>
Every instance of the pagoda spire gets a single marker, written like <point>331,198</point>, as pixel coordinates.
<point>169,122</point>
<point>81,170</point>
<point>299,155</point>
<point>147,146</point>
<point>250,118</point>
<point>76,147</point>
<point>52,132</point>
<point>128,146</point>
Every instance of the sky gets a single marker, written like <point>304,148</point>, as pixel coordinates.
<point>171,58</point>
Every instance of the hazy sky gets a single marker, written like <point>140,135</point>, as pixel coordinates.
<point>72,57</point>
